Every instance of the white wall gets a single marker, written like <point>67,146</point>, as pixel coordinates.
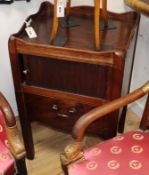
<point>12,17</point>
<point>141,64</point>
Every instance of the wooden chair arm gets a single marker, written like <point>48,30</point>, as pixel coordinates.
<point>15,143</point>
<point>99,112</point>
<point>139,5</point>
<point>74,151</point>
<point>7,111</point>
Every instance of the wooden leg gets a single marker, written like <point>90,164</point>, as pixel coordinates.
<point>97,24</point>
<point>122,120</point>
<point>65,169</point>
<point>68,8</point>
<point>27,136</point>
<point>21,166</point>
<point>28,142</point>
<point>26,127</point>
<point>104,12</point>
<point>55,24</point>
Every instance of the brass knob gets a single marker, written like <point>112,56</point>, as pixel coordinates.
<point>72,110</point>
<point>25,72</point>
<point>55,107</point>
<point>63,115</point>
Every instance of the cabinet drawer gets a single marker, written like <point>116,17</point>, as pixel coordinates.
<point>55,111</point>
<point>62,113</point>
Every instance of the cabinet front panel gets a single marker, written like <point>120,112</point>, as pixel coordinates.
<point>80,78</point>
<point>63,113</point>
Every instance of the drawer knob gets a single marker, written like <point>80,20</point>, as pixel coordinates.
<point>55,107</point>
<point>25,72</point>
<point>72,110</point>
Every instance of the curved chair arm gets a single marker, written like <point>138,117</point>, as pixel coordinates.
<point>7,111</point>
<point>15,145</point>
<point>99,112</point>
<point>139,5</point>
<point>73,152</point>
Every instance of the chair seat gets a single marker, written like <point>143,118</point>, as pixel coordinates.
<point>123,155</point>
<point>7,165</point>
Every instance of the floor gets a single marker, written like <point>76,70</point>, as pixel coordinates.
<point>50,143</point>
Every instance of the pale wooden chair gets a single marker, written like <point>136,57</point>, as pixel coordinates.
<point>142,6</point>
<point>96,20</point>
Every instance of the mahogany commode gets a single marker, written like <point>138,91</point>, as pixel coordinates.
<point>56,85</point>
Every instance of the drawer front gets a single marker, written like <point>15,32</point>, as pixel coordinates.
<point>63,113</point>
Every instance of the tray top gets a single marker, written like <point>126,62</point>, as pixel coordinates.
<point>81,35</point>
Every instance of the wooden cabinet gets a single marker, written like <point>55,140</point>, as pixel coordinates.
<point>56,85</point>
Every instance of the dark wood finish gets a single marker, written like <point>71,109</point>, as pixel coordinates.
<point>63,108</point>
<point>25,125</point>
<point>21,166</point>
<point>56,85</point>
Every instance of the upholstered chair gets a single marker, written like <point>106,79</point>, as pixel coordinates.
<point>12,154</point>
<point>125,154</point>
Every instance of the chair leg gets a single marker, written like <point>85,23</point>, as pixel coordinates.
<point>104,12</point>
<point>21,166</point>
<point>55,24</point>
<point>97,24</point>
<point>68,9</point>
<point>65,169</point>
